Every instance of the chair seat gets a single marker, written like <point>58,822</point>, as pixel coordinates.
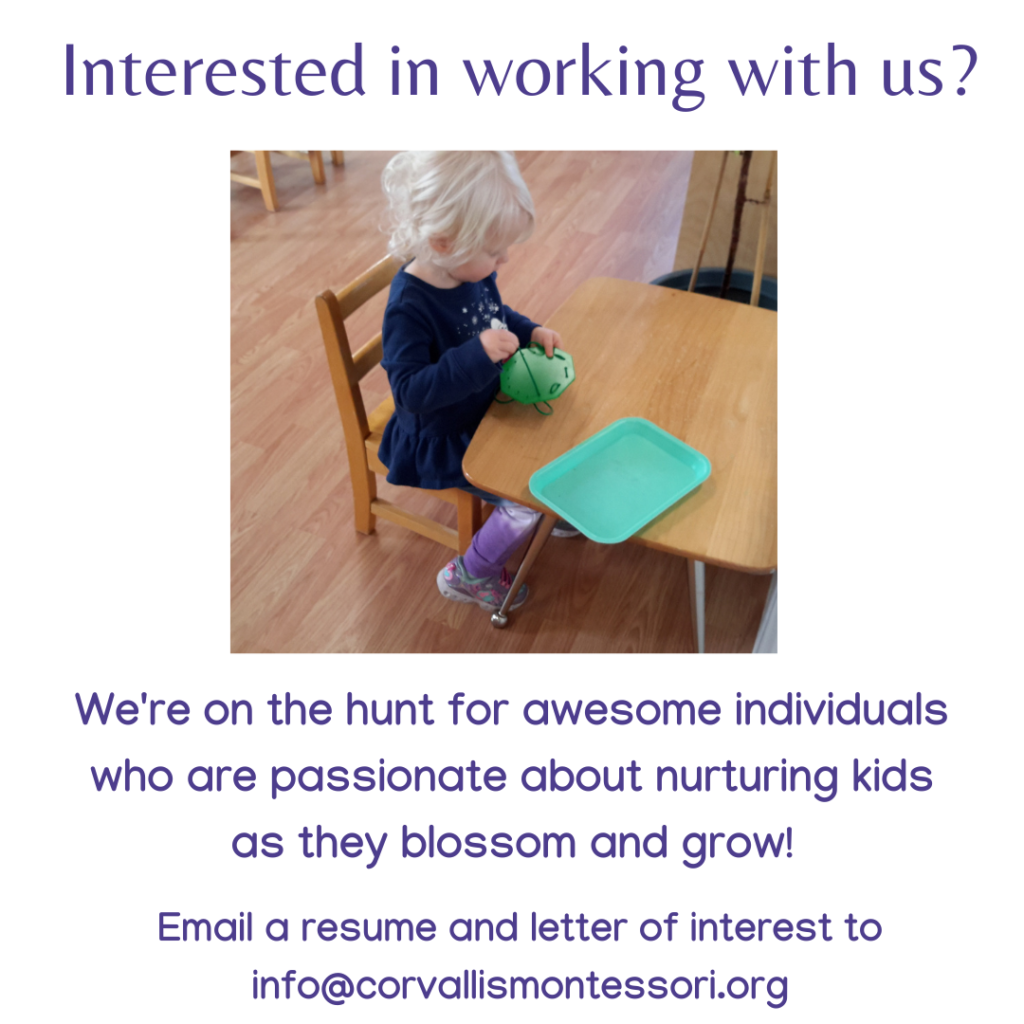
<point>377,421</point>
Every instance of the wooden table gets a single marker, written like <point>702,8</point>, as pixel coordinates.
<point>701,368</point>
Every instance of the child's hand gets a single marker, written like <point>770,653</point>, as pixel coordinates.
<point>499,344</point>
<point>548,338</point>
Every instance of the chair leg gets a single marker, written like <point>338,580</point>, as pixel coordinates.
<point>316,161</point>
<point>337,157</point>
<point>265,173</point>
<point>364,492</point>
<point>468,507</point>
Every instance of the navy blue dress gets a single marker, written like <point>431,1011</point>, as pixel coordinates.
<point>441,378</point>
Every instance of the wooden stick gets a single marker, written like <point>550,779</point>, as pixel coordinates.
<point>265,173</point>
<point>707,224</point>
<point>737,220</point>
<point>762,237</point>
<point>316,161</point>
<point>246,179</point>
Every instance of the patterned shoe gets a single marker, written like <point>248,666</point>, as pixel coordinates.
<point>564,529</point>
<point>457,585</point>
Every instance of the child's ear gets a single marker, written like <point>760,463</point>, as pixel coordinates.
<point>440,245</point>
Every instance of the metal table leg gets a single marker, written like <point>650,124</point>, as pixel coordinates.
<point>695,572</point>
<point>500,618</point>
<point>767,641</point>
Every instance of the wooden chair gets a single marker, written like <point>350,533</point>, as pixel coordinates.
<point>363,432</point>
<point>264,179</point>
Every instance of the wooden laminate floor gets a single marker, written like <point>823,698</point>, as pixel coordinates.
<point>302,579</point>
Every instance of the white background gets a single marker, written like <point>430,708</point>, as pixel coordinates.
<point>899,249</point>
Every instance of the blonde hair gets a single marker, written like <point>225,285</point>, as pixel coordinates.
<point>469,200</point>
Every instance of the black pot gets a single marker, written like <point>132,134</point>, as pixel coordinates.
<point>709,282</point>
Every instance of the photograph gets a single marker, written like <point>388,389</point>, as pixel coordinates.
<point>504,402</point>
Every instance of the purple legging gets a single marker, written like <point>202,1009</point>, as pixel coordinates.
<point>495,541</point>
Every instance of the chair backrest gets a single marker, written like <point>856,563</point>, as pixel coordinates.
<point>348,368</point>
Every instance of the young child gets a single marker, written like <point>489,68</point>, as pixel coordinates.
<point>446,333</point>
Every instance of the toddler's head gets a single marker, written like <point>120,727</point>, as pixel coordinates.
<point>447,208</point>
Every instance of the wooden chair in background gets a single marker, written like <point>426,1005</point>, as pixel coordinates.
<point>721,233</point>
<point>264,179</point>
<point>363,432</point>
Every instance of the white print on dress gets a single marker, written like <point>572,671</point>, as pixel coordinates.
<point>483,312</point>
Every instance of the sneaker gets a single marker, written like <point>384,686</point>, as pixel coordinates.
<point>564,529</point>
<point>489,593</point>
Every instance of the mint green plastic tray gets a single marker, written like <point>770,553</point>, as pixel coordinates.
<point>617,481</point>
